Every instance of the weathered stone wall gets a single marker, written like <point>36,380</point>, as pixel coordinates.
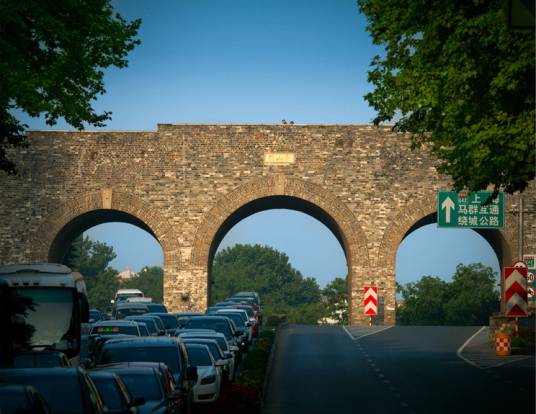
<point>184,181</point>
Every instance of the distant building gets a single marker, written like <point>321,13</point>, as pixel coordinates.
<point>126,274</point>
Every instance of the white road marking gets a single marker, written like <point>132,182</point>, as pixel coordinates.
<point>368,333</point>
<point>348,333</point>
<point>461,348</point>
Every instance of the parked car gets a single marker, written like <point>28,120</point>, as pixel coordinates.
<point>65,390</point>
<point>168,319</point>
<point>147,383</point>
<point>116,327</point>
<point>21,399</point>
<point>152,327</point>
<point>114,393</point>
<point>208,385</point>
<point>226,369</point>
<point>122,309</point>
<point>181,400</point>
<point>242,324</point>
<point>40,359</point>
<point>170,351</point>
<point>229,350</point>
<point>95,315</point>
<point>95,343</point>
<point>156,307</point>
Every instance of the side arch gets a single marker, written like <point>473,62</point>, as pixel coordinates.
<point>338,218</point>
<point>85,210</point>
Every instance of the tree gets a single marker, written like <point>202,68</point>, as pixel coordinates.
<point>423,302</point>
<point>51,58</point>
<point>469,299</point>
<point>473,296</point>
<point>92,260</point>
<point>336,296</point>
<point>456,77</point>
<point>150,280</point>
<point>262,269</point>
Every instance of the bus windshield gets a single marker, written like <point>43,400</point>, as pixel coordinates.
<point>46,317</point>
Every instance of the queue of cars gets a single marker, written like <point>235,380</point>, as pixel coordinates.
<point>144,360</point>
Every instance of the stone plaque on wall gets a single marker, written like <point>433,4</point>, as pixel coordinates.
<point>279,158</point>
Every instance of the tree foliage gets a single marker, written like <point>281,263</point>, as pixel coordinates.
<point>336,297</point>
<point>52,55</point>
<point>92,259</point>
<point>457,77</point>
<point>469,299</point>
<point>264,270</point>
<point>150,280</point>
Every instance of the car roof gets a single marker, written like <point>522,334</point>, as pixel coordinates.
<point>101,374</point>
<point>132,305</point>
<point>144,341</point>
<point>116,322</point>
<point>207,334</point>
<point>159,313</point>
<point>40,372</point>
<point>209,318</point>
<point>126,369</point>
<point>126,291</point>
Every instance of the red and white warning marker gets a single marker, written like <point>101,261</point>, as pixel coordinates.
<point>371,300</point>
<point>515,291</point>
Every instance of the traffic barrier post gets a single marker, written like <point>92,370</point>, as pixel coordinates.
<point>502,344</point>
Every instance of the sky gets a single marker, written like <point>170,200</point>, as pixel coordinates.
<point>258,61</point>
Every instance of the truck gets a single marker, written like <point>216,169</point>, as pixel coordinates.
<point>43,307</point>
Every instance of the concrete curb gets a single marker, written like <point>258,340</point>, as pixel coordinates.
<point>271,359</point>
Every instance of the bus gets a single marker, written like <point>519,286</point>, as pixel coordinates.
<point>44,306</point>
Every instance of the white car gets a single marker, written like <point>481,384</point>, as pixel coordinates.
<point>208,385</point>
<point>218,354</point>
<point>228,350</point>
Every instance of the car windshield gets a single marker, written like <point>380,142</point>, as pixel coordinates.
<point>149,323</point>
<point>156,307</point>
<point>214,350</point>
<point>111,330</point>
<point>235,317</point>
<point>205,323</point>
<point>48,318</point>
<point>61,393</point>
<point>95,315</point>
<point>169,355</point>
<point>198,356</point>
<point>37,360</point>
<point>143,385</point>
<point>170,321</point>
<point>126,311</point>
<point>110,393</point>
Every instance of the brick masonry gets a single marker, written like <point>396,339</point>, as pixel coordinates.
<point>184,183</point>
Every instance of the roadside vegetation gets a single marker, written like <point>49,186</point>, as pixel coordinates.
<point>469,299</point>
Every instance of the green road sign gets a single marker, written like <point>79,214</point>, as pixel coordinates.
<point>470,210</point>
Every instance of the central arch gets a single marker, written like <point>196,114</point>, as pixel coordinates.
<point>275,192</point>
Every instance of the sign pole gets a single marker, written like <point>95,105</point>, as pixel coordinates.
<point>517,326</point>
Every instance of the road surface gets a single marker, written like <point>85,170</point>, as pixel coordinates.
<point>321,369</point>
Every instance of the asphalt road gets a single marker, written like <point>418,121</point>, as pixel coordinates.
<point>320,369</point>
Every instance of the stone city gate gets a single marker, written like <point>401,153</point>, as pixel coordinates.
<point>188,185</point>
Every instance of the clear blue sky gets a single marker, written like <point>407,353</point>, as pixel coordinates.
<point>258,61</point>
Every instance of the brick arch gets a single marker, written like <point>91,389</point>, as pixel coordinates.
<point>142,214</point>
<point>353,239</point>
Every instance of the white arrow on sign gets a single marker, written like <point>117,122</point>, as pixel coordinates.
<point>371,292</point>
<point>514,277</point>
<point>372,306</point>
<point>447,205</point>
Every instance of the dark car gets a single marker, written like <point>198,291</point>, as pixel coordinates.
<point>65,390</point>
<point>21,399</point>
<point>114,393</point>
<point>95,315</point>
<point>123,309</point>
<point>116,327</point>
<point>156,307</point>
<point>170,351</point>
<point>147,383</point>
<point>168,319</point>
<point>181,399</point>
<point>152,327</point>
<point>95,345</point>
<point>40,359</point>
